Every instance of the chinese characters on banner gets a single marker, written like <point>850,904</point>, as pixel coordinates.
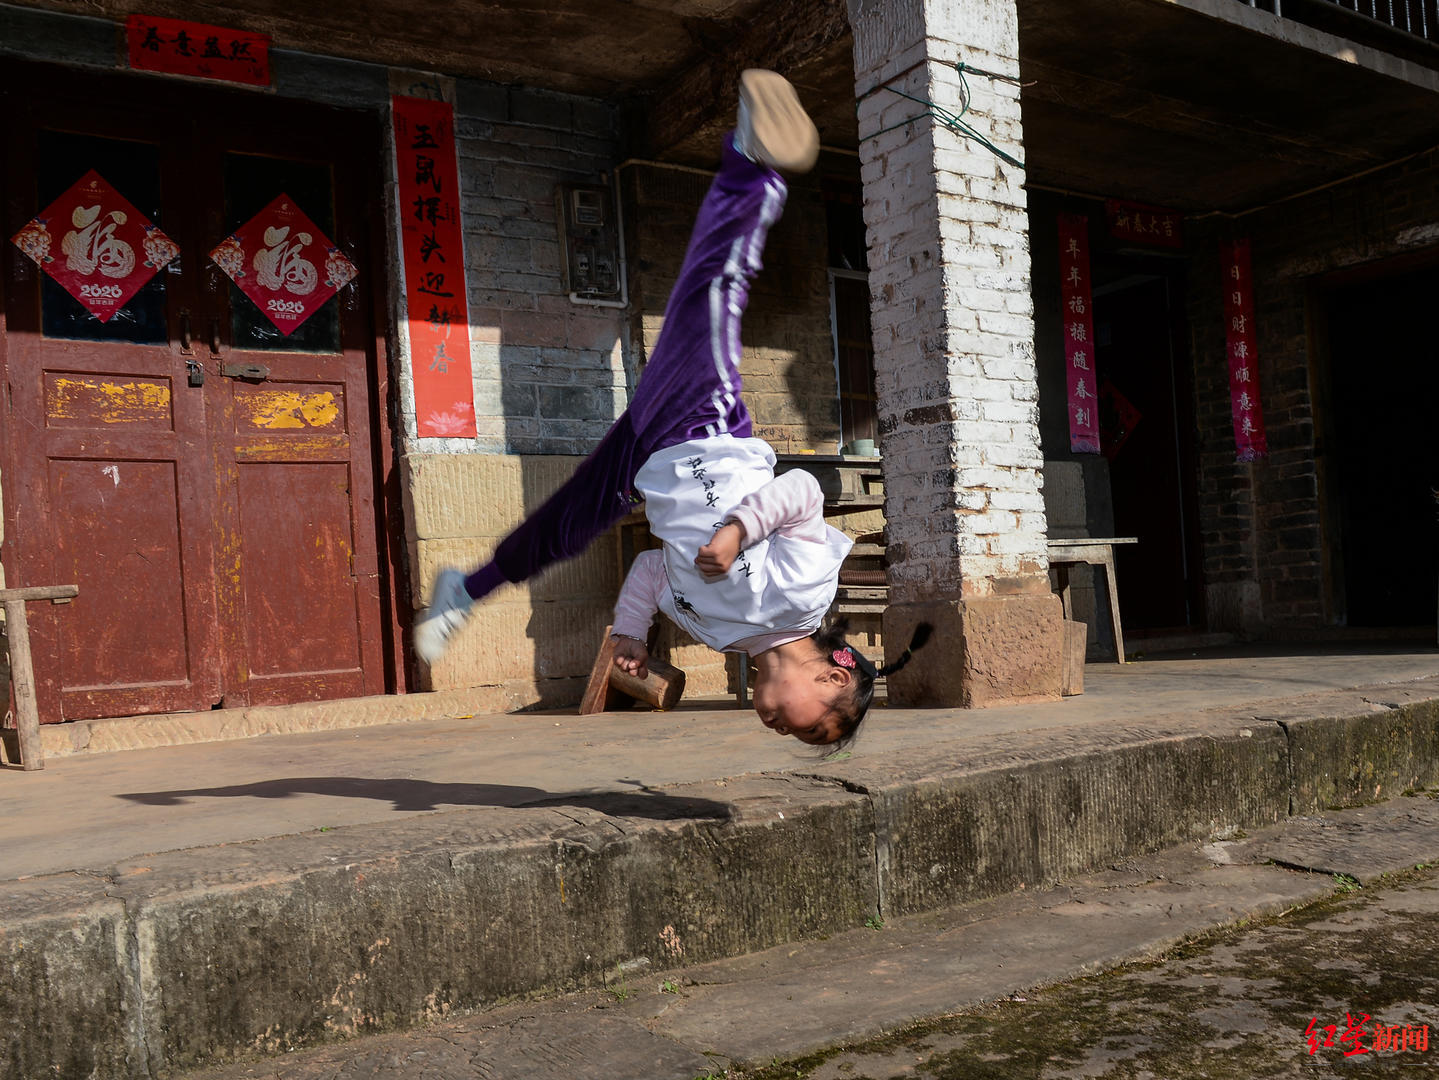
<point>1387,1038</point>
<point>1078,322</point>
<point>434,267</point>
<point>284,263</point>
<point>108,249</point>
<point>1239,335</point>
<point>176,47</point>
<point>1140,223</point>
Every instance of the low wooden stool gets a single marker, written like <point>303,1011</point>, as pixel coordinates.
<point>610,688</point>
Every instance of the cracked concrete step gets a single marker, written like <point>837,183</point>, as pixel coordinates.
<point>793,1000</point>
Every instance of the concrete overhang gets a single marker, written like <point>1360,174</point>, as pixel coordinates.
<point>1197,104</point>
<point>1211,104</point>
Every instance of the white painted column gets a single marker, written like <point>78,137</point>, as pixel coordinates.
<point>954,353</point>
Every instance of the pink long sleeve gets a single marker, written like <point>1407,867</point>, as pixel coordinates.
<point>639,598</point>
<point>791,505</point>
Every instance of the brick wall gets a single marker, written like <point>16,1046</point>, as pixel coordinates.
<point>1262,523</point>
<point>549,374</point>
<point>788,363</point>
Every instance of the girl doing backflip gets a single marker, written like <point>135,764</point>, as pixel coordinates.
<point>748,564</point>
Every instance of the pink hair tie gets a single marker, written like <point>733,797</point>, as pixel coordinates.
<point>843,657</point>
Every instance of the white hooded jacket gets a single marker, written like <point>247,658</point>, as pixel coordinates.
<point>780,582</point>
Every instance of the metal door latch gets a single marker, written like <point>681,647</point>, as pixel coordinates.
<point>245,371</point>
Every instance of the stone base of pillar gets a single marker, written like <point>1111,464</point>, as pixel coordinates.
<point>1002,650</point>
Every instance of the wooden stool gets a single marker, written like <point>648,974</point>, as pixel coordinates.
<point>1096,551</point>
<point>611,688</point>
<point>27,713</point>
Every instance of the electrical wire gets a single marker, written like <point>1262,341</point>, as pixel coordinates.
<point>953,121</point>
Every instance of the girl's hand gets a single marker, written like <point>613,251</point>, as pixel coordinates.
<point>632,656</point>
<point>716,557</point>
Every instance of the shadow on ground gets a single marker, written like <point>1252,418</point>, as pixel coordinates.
<point>419,795</point>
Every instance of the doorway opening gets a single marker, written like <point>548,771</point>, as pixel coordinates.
<point>1147,437</point>
<point>1381,469</point>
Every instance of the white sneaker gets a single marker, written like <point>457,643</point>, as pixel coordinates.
<point>773,129</point>
<point>450,606</point>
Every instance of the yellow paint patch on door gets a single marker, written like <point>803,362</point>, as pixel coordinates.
<point>279,409</point>
<point>77,400</point>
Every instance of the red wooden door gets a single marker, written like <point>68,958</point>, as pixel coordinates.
<point>222,531</point>
<point>298,574</point>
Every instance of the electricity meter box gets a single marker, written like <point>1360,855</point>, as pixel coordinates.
<point>589,237</point>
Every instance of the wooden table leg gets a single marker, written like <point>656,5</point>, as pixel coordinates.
<point>1061,570</point>
<point>22,676</point>
<point>1114,605</point>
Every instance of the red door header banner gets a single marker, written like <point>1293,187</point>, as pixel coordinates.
<point>438,314</point>
<point>1077,318</point>
<point>107,250</point>
<point>177,47</point>
<point>1239,334</point>
<point>1140,223</point>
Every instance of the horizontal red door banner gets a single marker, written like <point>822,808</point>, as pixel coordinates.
<point>178,47</point>
<point>1140,223</point>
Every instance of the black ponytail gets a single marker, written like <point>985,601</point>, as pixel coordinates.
<point>840,653</point>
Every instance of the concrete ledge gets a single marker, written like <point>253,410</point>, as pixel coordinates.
<point>216,725</point>
<point>205,955</point>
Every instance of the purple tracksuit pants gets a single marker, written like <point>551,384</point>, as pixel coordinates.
<point>690,388</point>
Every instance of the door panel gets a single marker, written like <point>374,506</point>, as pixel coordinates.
<point>296,447</point>
<point>117,528</point>
<point>298,553</point>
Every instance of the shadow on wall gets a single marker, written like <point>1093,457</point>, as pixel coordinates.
<point>789,364</point>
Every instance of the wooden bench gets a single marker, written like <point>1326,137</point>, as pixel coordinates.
<point>1095,551</point>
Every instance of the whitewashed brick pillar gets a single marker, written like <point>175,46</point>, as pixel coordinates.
<point>954,355</point>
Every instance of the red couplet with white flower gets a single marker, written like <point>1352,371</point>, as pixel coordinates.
<point>1249,439</point>
<point>433,249</point>
<point>96,245</point>
<point>284,263</point>
<point>1077,318</point>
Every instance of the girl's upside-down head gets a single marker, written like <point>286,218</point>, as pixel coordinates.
<point>819,688</point>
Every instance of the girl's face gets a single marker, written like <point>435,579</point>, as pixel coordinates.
<point>798,699</point>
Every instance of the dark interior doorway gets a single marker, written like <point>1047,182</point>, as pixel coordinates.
<point>1384,388</point>
<point>1146,432</point>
